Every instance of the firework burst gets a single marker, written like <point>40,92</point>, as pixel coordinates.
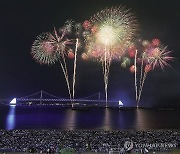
<point>49,48</point>
<point>44,50</point>
<point>153,56</point>
<point>115,25</point>
<point>109,34</point>
<point>65,46</point>
<point>159,56</point>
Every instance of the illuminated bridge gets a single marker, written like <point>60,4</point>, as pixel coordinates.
<point>44,98</point>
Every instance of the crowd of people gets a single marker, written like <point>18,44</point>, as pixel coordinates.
<point>79,141</point>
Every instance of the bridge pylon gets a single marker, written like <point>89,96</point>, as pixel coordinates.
<point>41,97</point>
<point>99,96</point>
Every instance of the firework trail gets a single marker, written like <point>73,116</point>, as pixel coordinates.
<point>133,53</point>
<point>135,74</point>
<point>68,29</point>
<point>142,64</point>
<point>64,69</point>
<point>155,55</point>
<point>75,61</point>
<point>140,81</point>
<point>106,67</point>
<point>141,87</point>
<point>62,49</point>
<point>111,30</point>
<point>49,48</point>
<point>146,45</point>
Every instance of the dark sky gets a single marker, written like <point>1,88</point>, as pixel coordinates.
<point>21,21</point>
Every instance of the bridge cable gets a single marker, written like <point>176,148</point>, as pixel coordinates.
<point>89,96</point>
<point>52,95</point>
<point>110,98</point>
<point>31,95</point>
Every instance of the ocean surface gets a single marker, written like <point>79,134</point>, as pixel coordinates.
<point>53,117</point>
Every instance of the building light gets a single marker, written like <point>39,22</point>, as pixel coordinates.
<point>13,102</point>
<point>120,103</point>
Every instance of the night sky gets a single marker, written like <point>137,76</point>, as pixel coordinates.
<point>21,21</point>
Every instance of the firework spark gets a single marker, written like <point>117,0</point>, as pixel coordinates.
<point>111,32</point>
<point>43,49</point>
<point>49,48</point>
<point>125,62</point>
<point>115,25</point>
<point>159,56</point>
<point>62,45</point>
<point>154,55</point>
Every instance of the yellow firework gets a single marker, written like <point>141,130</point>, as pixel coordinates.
<point>116,26</point>
<point>111,33</point>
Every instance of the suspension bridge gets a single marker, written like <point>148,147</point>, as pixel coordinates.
<point>44,98</point>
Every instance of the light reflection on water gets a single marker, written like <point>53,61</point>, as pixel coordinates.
<point>140,119</point>
<point>70,119</point>
<point>97,118</point>
<point>10,121</point>
<point>107,120</point>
